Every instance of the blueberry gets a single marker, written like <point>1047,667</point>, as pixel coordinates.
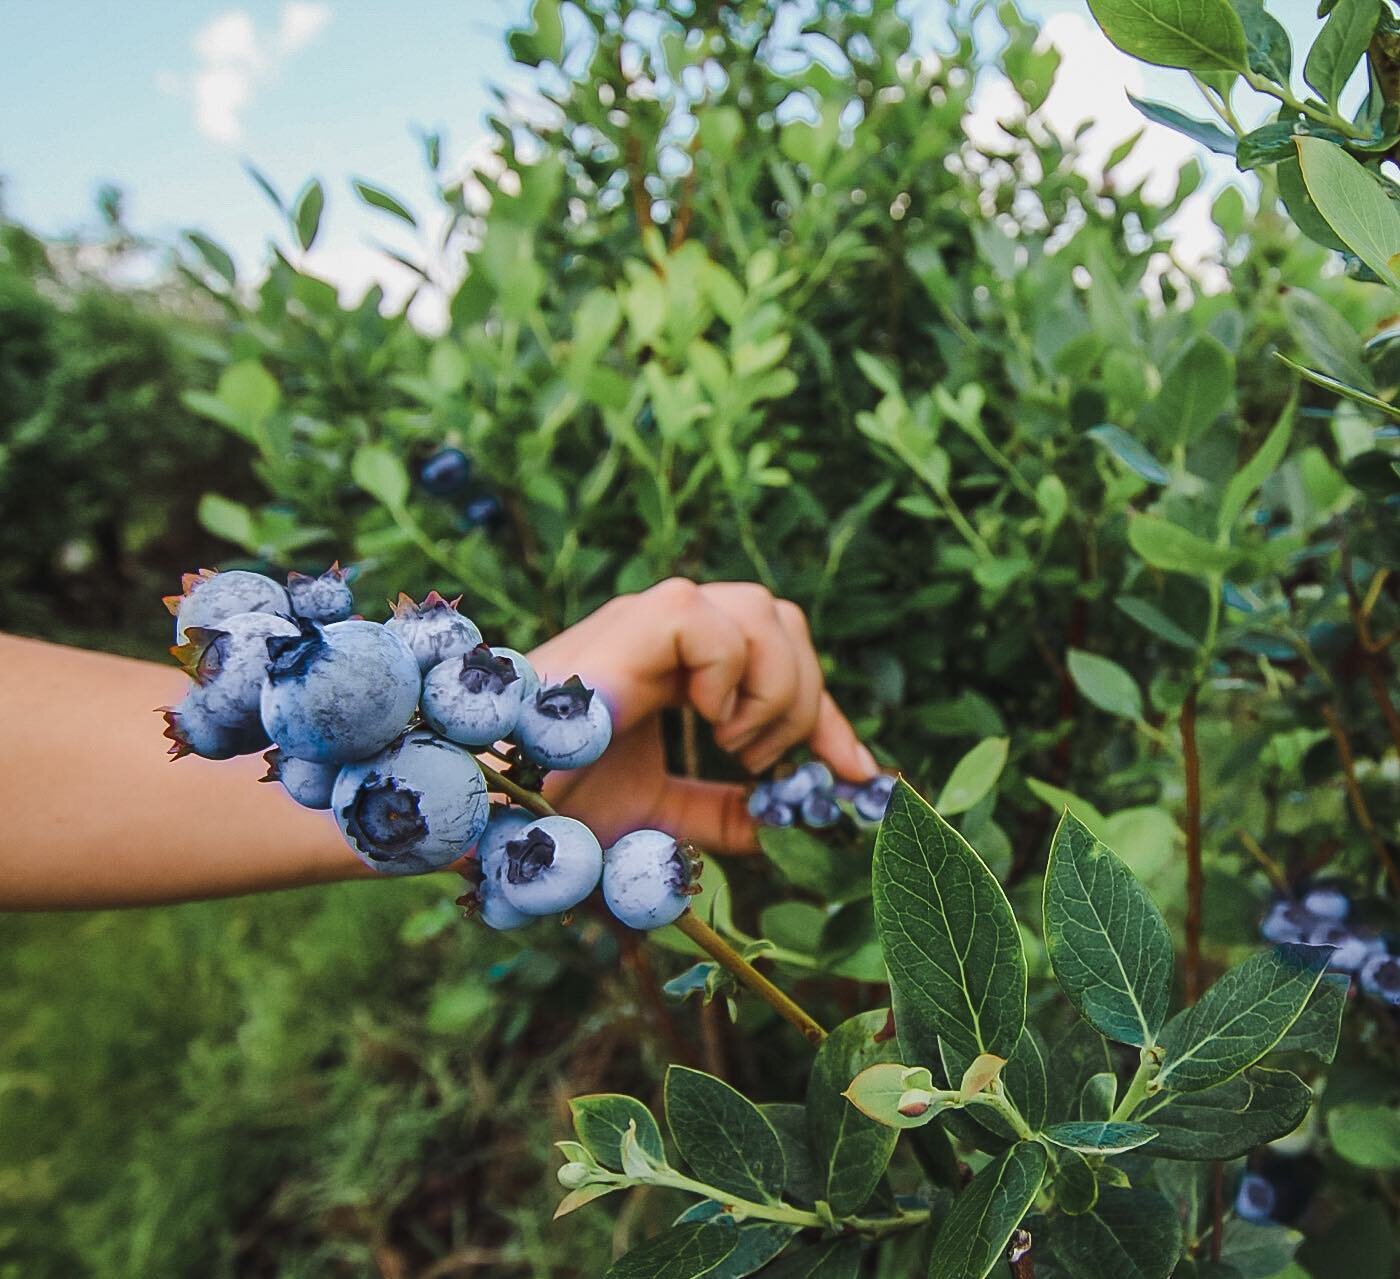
<point>474,699</point>
<point>482,512</point>
<point>1327,901</point>
<point>564,726</point>
<point>529,681</point>
<point>434,630</point>
<point>820,810</point>
<point>338,693</point>
<point>648,879</point>
<point>1255,1199</point>
<point>446,473</point>
<point>416,806</point>
<point>326,598</point>
<point>777,814</point>
<point>208,597</point>
<point>874,797</point>
<point>307,783</point>
<point>194,731</point>
<point>1380,978</point>
<point>229,663</point>
<point>504,824</point>
<point>1352,949</point>
<point>551,865</point>
<point>1286,922</point>
<point>760,798</point>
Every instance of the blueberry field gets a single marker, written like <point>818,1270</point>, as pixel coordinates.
<point>1050,930</point>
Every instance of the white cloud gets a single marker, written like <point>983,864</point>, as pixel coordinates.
<point>233,57</point>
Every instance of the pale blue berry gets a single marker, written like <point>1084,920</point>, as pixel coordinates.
<point>433,630</point>
<point>1351,949</point>
<point>1256,1199</point>
<point>564,726</point>
<point>820,810</point>
<point>209,597</point>
<point>1380,978</point>
<point>504,825</point>
<point>648,879</point>
<point>326,598</point>
<point>229,663</point>
<point>474,699</point>
<point>194,731</point>
<point>307,783</point>
<point>551,865</point>
<point>874,797</point>
<point>1327,901</point>
<point>1286,922</point>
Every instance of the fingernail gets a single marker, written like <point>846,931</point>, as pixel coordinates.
<point>866,761</point>
<point>728,706</point>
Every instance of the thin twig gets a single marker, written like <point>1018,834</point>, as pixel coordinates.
<point>1371,649</point>
<point>1359,807</point>
<point>1217,1209</point>
<point>1195,882</point>
<point>528,799</point>
<point>1266,863</point>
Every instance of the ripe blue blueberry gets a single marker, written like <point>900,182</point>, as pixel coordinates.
<point>194,731</point>
<point>777,814</point>
<point>483,511</point>
<point>1286,922</point>
<point>324,599</point>
<point>1327,901</point>
<point>416,806</point>
<point>446,473</point>
<point>338,693</point>
<point>759,799</point>
<point>1255,1199</point>
<point>307,783</point>
<point>551,865</point>
<point>1380,978</point>
<point>794,788</point>
<point>874,797</point>
<point>648,879</point>
<point>504,825</point>
<point>820,810</point>
<point>1351,949</point>
<point>434,630</point>
<point>208,597</point>
<point>229,664</point>
<point>564,726</point>
<point>474,699</point>
<point>529,681</point>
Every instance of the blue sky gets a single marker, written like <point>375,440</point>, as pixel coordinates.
<point>167,98</point>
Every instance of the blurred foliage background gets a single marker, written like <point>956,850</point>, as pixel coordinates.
<point>726,310</point>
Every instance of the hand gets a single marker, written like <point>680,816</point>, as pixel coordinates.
<point>743,659</point>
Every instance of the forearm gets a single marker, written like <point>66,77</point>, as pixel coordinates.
<point>95,814</point>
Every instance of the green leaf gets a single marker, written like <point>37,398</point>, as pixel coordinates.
<point>836,1259</point>
<point>1131,453</point>
<point>381,474</point>
<point>973,776</point>
<point>378,198</point>
<point>1366,1135</point>
<point>1270,51</point>
<point>215,256</point>
<point>948,934</point>
<point>1241,1017</point>
<point>581,1197</point>
<point>265,187</point>
<point>1253,473</point>
<point>1099,1138</point>
<point>1075,1187</point>
<point>1177,550</point>
<point>230,520</point>
<point>1098,1097</point>
<point>1128,1234</point>
<point>306,213</point>
<point>1108,943</point>
<point>881,1093</point>
<point>1196,389</point>
<point>1319,1025</point>
<point>601,1121</point>
<point>789,1120</point>
<point>683,1252</point>
<point>974,1235</point>
<point>1326,380</point>
<point>1351,200</point>
<point>1274,143</point>
<point>723,1136</point>
<point>1339,46</point>
<point>1198,35</point>
<point>1209,135</point>
<point>806,862</point>
<point>1258,1251</point>
<point>852,1150</point>
<point>1229,1120</point>
<point>1151,618</point>
<point>1104,683</point>
<point>250,392</point>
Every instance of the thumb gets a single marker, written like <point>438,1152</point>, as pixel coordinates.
<point>712,814</point>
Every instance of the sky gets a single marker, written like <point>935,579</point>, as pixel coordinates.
<point>168,99</point>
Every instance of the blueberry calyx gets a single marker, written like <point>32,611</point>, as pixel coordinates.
<point>484,672</point>
<point>433,602</point>
<point>384,816</point>
<point>568,700</point>
<point>291,655</point>
<point>529,858</point>
<point>203,653</point>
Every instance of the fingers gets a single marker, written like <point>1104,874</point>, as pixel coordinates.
<point>834,740</point>
<point>712,814</point>
<point>771,678</point>
<point>799,717</point>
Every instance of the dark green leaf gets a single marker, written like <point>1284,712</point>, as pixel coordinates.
<point>378,198</point>
<point>216,257</point>
<point>1274,143</point>
<point>950,940</point>
<point>1128,1234</point>
<point>723,1136</point>
<point>974,1235</point>
<point>789,1120</point>
<point>1177,550</point>
<point>1258,469</point>
<point>265,187</point>
<point>1209,135</point>
<point>380,472</point>
<point>1340,46</point>
<point>852,1150</point>
<point>759,1242</point>
<point>1079,1054</point>
<point>1241,1017</point>
<point>1075,1187</point>
<point>1105,684</point>
<point>1151,618</point>
<point>1270,51</point>
<point>828,872</point>
<point>1108,943</point>
<point>1351,200</point>
<point>1199,35</point>
<point>1326,380</point>
<point>1319,1025</point>
<point>835,1259</point>
<point>1098,1097</point>
<point>1100,1138</point>
<point>601,1121</point>
<point>1366,1134</point>
<point>1229,1120</point>
<point>1258,1251</point>
<point>306,213</point>
<point>1196,388</point>
<point>683,1252</point>
<point>1131,453</point>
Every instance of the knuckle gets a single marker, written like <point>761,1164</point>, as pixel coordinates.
<point>675,592</point>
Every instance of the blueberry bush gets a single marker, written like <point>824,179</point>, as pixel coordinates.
<point>1098,558</point>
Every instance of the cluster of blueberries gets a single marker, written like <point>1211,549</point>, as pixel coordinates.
<point>810,796</point>
<point>448,474</point>
<point>1322,916</point>
<point>378,724</point>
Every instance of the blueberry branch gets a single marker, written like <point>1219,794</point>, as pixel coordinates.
<point>690,924</point>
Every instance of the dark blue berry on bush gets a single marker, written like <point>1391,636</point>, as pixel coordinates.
<point>483,512</point>
<point>446,473</point>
